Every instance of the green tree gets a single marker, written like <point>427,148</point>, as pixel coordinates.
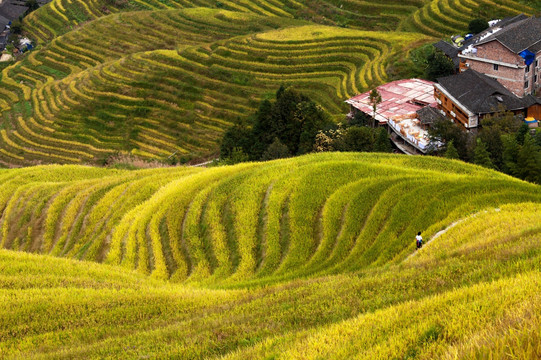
<point>236,156</point>
<point>32,5</point>
<point>439,65</point>
<point>309,119</point>
<point>451,152</point>
<point>521,133</point>
<point>293,118</point>
<point>359,119</point>
<point>477,25</point>
<point>16,27</point>
<point>504,120</point>
<point>356,138</point>
<point>276,150</point>
<point>529,161</point>
<point>492,138</point>
<point>263,130</point>
<point>375,100</point>
<point>510,155</point>
<point>382,143</point>
<point>236,137</point>
<point>481,155</point>
<point>445,131</point>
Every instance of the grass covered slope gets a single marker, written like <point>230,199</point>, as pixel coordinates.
<point>156,78</point>
<point>331,237</point>
<point>159,102</point>
<point>255,222</point>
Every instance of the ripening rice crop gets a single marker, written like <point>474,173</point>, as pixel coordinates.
<point>162,77</point>
<point>256,222</point>
<point>298,258</point>
<point>157,103</point>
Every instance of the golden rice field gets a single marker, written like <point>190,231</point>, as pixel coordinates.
<point>154,78</point>
<point>302,258</point>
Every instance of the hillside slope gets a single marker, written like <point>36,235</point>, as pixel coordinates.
<point>155,78</point>
<point>256,222</point>
<point>330,237</point>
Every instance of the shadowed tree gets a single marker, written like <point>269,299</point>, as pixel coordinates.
<point>276,150</point>
<point>477,25</point>
<point>439,65</point>
<point>529,161</point>
<point>481,156</point>
<point>451,152</point>
<point>510,154</point>
<point>383,143</point>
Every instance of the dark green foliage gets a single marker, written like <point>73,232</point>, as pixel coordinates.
<point>236,137</point>
<point>529,161</point>
<point>357,139</point>
<point>32,5</point>
<point>451,152</point>
<point>481,155</point>
<point>446,131</point>
<point>17,27</point>
<point>292,119</point>
<point>492,138</point>
<point>359,119</point>
<point>509,156</point>
<point>521,133</point>
<point>382,143</point>
<point>264,128</point>
<point>237,155</point>
<point>477,25</point>
<point>413,66</point>
<point>504,120</point>
<point>438,65</point>
<point>276,150</point>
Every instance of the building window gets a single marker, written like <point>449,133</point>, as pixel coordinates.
<point>496,67</point>
<point>527,68</point>
<point>536,63</point>
<point>526,84</point>
<point>535,78</point>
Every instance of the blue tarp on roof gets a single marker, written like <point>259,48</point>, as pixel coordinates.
<point>528,57</point>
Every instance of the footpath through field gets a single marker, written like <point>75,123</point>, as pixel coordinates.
<point>441,232</point>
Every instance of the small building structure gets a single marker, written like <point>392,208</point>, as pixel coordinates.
<point>509,52</point>
<point>398,111</point>
<point>470,96</point>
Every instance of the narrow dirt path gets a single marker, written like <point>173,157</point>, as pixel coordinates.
<point>441,232</point>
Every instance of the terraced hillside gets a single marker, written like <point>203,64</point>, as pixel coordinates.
<point>252,222</point>
<point>179,256</point>
<point>156,78</point>
<point>157,103</point>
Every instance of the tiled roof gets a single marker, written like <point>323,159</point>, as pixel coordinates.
<point>479,93</point>
<point>518,36</point>
<point>428,115</point>
<point>501,24</point>
<point>3,22</point>
<point>11,10</point>
<point>449,50</point>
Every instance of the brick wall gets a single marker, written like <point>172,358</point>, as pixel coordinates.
<point>496,51</point>
<point>512,78</point>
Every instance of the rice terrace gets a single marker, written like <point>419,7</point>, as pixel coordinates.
<point>151,206</point>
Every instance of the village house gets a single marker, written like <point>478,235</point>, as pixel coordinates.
<point>498,69</point>
<point>470,96</point>
<point>509,53</point>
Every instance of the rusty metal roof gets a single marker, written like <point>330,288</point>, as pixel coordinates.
<point>399,98</point>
